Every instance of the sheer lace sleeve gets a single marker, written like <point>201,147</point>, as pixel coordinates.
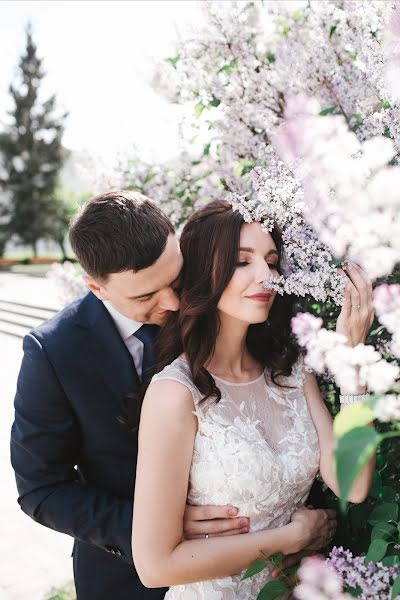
<point>179,371</point>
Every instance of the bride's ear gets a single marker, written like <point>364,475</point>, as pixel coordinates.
<point>94,286</point>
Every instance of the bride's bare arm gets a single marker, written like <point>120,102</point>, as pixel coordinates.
<point>161,556</point>
<point>324,426</point>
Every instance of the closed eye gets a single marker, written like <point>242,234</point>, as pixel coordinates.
<point>145,298</point>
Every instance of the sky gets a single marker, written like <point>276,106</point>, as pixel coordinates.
<point>98,57</point>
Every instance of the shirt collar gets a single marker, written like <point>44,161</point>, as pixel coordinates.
<point>126,326</point>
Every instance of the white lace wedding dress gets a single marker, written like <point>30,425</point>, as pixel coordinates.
<point>256,449</point>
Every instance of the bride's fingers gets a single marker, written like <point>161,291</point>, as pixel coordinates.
<point>360,282</point>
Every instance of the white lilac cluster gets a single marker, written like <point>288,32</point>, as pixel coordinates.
<point>392,52</point>
<point>177,186</point>
<point>351,367</point>
<point>387,408</point>
<point>226,71</point>
<point>350,193</point>
<point>386,300</point>
<point>278,199</point>
<point>69,282</point>
<point>374,580</point>
<point>319,581</point>
<point>238,70</point>
<point>347,67</point>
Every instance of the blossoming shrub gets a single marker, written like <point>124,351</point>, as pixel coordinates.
<point>296,119</point>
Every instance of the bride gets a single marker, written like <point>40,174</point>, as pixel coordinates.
<point>232,417</point>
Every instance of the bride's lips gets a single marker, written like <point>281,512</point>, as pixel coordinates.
<point>260,297</point>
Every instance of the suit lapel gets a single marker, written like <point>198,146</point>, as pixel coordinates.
<point>106,353</point>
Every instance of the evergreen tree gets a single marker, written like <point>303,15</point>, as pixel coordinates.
<point>31,156</point>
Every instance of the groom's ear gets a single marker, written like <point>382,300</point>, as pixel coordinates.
<point>95,287</point>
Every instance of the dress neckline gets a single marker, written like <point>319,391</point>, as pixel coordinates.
<point>236,383</point>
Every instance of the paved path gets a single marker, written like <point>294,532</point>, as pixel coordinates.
<point>32,558</point>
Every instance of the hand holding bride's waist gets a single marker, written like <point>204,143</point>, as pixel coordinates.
<point>309,529</point>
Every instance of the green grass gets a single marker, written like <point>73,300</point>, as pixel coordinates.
<point>26,269</point>
<point>66,592</point>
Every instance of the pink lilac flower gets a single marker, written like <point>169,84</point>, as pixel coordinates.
<point>318,581</point>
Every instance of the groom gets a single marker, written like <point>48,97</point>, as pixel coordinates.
<point>74,462</point>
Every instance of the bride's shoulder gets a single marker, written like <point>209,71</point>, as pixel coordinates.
<point>177,371</point>
<point>178,366</point>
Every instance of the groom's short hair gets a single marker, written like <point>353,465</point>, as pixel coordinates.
<point>118,231</point>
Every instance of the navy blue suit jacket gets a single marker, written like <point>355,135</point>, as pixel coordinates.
<point>74,462</point>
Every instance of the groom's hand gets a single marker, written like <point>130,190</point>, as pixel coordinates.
<point>324,532</point>
<point>202,521</point>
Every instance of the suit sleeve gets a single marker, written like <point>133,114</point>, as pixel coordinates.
<point>45,446</point>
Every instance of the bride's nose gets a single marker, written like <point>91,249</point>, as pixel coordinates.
<point>263,271</point>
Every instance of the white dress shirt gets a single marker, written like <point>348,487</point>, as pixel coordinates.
<point>127,327</point>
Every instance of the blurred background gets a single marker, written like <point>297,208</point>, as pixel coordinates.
<point>77,100</point>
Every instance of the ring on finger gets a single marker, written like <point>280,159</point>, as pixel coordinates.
<point>356,305</point>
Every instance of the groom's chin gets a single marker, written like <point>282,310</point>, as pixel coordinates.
<point>159,318</point>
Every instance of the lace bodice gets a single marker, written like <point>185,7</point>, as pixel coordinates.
<point>256,449</point>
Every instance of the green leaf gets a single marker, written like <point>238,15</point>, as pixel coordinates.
<point>273,589</point>
<point>327,111</point>
<point>353,451</point>
<point>376,485</point>
<point>396,587</point>
<point>198,109</point>
<point>173,60</point>
<point>354,415</point>
<point>353,591</point>
<point>332,31</point>
<point>149,177</point>
<point>206,149</point>
<point>254,568</point>
<point>391,561</point>
<point>275,560</point>
<point>382,530</point>
<point>386,511</point>
<point>228,67</point>
<point>388,493</point>
<point>376,551</point>
<point>214,102</point>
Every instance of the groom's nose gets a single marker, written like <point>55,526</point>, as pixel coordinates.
<point>169,300</point>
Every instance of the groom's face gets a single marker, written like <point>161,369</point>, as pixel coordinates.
<point>146,296</point>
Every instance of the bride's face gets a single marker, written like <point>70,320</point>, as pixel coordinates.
<point>245,298</point>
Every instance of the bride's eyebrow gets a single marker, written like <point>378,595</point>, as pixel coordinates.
<point>251,250</point>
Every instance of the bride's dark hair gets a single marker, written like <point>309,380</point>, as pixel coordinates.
<point>210,246</point>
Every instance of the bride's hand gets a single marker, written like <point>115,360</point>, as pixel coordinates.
<point>313,528</point>
<point>357,312</point>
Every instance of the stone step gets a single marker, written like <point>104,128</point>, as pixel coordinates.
<point>17,308</point>
<point>18,331</point>
<point>17,318</point>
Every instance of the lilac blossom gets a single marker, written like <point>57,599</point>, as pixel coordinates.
<point>69,282</point>
<point>350,367</point>
<point>319,581</point>
<point>387,408</point>
<point>374,580</point>
<point>386,299</point>
<point>350,194</point>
